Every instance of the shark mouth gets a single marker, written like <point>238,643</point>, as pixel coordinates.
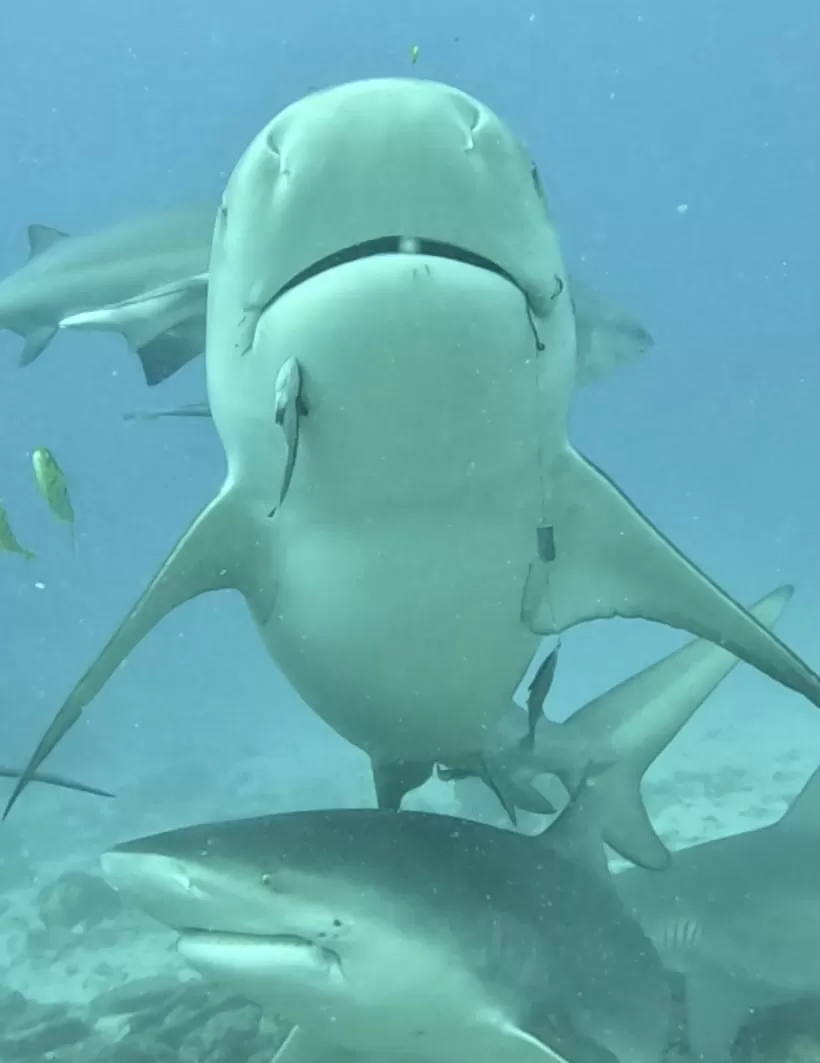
<point>407,245</point>
<point>213,944</point>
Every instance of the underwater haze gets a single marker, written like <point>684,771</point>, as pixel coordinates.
<point>679,145</point>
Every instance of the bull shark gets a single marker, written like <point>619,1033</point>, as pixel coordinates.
<point>407,936</point>
<point>146,278</point>
<point>391,352</point>
<point>739,918</point>
<point>610,742</point>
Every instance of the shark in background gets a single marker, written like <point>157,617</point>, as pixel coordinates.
<point>146,278</point>
<point>738,918</point>
<point>407,936</point>
<point>374,329</point>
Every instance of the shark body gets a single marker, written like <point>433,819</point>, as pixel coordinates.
<point>406,936</point>
<point>391,353</point>
<point>739,918</point>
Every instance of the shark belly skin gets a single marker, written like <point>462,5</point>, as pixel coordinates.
<point>404,543</point>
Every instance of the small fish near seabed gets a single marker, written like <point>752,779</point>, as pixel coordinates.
<point>408,936</point>
<point>8,540</point>
<point>53,486</point>
<point>402,314</point>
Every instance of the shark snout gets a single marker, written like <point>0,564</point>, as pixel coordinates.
<point>161,886</point>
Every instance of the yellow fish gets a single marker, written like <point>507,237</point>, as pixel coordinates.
<point>53,487</point>
<point>8,540</point>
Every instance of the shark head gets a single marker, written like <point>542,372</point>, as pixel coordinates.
<point>304,912</point>
<point>406,935</point>
<point>367,170</point>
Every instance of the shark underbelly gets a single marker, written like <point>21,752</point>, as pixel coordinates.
<point>405,540</point>
<point>408,643</point>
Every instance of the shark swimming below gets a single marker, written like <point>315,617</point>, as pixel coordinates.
<point>391,353</point>
<point>739,918</point>
<point>605,748</point>
<point>146,278</point>
<point>407,936</point>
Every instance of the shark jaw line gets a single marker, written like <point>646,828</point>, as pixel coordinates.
<point>409,245</point>
<point>237,939</point>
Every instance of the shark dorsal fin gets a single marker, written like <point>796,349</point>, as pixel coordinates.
<point>42,237</point>
<point>803,814</point>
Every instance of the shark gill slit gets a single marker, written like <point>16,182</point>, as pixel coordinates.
<point>395,245</point>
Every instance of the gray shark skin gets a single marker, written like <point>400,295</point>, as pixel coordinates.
<point>739,918</point>
<point>391,354</point>
<point>60,781</point>
<point>607,337</point>
<point>146,278</point>
<point>606,746</point>
<point>408,936</point>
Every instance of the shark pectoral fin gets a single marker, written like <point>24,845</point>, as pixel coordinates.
<point>143,317</point>
<point>717,1007</point>
<point>215,553</point>
<point>35,342</point>
<point>304,1046</point>
<point>607,336</point>
<point>601,558</point>
<point>527,797</point>
<point>524,1047</point>
<point>165,355</point>
<point>394,781</point>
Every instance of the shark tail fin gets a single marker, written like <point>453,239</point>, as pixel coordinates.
<point>604,559</point>
<point>607,336</point>
<point>637,720</point>
<point>803,814</point>
<point>211,555</point>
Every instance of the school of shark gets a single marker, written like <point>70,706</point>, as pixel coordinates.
<point>392,342</point>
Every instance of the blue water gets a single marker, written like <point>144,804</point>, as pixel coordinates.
<point>679,147</point>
